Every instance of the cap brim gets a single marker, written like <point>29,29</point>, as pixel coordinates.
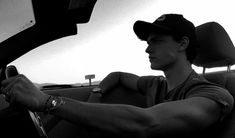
<point>143,29</point>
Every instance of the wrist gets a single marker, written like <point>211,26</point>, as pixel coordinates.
<point>52,103</point>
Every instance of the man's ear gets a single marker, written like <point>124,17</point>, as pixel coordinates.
<point>184,42</point>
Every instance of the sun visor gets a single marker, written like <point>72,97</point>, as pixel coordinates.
<point>36,22</point>
<point>15,16</point>
<point>19,15</point>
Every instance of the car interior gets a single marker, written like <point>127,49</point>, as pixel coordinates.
<point>216,50</point>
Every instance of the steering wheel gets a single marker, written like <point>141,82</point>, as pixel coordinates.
<point>11,71</point>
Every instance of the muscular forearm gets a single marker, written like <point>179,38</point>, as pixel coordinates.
<point>113,118</point>
<point>171,118</point>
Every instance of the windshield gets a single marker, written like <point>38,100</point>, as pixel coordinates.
<point>107,43</point>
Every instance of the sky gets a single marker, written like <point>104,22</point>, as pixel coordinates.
<point>107,43</point>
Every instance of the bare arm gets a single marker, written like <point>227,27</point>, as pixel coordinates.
<point>178,117</point>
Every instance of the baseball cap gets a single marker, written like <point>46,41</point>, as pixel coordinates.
<point>167,23</point>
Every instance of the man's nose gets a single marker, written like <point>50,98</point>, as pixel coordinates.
<point>148,49</point>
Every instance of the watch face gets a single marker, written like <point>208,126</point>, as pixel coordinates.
<point>54,103</point>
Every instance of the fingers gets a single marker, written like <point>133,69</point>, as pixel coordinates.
<point>8,86</point>
<point>8,83</point>
<point>8,95</point>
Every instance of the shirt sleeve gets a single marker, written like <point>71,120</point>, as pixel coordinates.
<point>216,93</point>
<point>145,83</point>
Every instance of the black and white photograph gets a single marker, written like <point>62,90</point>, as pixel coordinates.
<point>117,68</point>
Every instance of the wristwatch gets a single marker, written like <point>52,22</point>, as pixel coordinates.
<point>53,102</point>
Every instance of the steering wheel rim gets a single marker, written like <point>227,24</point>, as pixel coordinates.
<point>38,123</point>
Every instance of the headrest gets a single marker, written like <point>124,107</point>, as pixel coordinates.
<point>216,48</point>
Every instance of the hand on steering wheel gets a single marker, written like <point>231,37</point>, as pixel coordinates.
<point>19,90</point>
<point>12,76</point>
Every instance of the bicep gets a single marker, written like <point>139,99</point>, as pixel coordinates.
<point>186,115</point>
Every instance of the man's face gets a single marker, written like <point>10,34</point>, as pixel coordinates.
<point>162,50</point>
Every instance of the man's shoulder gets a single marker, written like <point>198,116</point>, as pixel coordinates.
<point>198,80</point>
<point>200,87</point>
<point>197,83</point>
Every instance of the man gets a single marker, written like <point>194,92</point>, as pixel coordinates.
<point>182,103</point>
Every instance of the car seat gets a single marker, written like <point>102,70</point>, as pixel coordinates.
<point>217,50</point>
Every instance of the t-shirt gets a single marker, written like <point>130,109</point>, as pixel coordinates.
<point>155,89</point>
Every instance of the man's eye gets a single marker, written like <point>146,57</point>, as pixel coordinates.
<point>151,41</point>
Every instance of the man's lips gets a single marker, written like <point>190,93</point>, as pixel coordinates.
<point>151,58</point>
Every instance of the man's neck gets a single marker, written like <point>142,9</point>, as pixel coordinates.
<point>177,75</point>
